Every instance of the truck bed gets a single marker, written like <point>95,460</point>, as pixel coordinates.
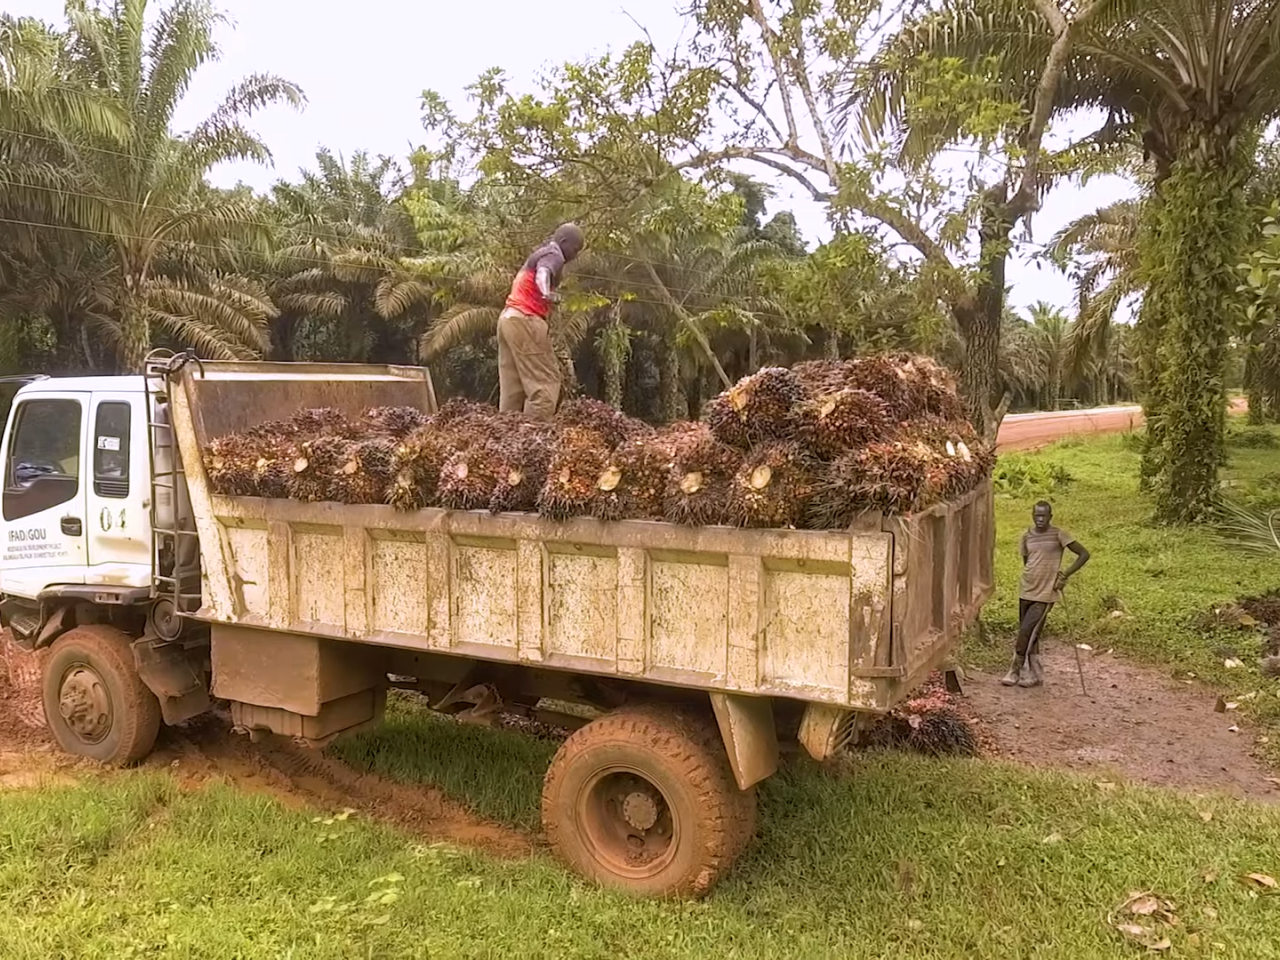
<point>853,619</point>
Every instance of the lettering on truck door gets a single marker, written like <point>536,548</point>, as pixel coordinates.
<point>43,500</point>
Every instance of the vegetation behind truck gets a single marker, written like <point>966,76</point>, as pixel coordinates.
<point>697,649</point>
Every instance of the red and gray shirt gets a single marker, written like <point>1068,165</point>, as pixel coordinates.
<point>525,295</point>
<point>1042,552</point>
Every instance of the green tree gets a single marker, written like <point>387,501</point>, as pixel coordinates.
<point>138,192</point>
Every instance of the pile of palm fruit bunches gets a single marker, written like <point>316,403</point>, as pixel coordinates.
<point>814,446</point>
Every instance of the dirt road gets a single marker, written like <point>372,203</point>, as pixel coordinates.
<point>1026,431</point>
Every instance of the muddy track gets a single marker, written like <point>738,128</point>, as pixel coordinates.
<point>206,751</point>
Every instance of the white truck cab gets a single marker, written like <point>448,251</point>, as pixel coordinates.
<point>76,501</point>
<point>89,558</point>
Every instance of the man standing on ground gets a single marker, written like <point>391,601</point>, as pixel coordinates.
<point>1042,548</point>
<point>529,375</point>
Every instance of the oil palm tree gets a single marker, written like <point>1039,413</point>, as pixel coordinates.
<point>1196,81</point>
<point>139,189</point>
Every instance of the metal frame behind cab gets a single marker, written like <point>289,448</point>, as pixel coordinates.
<point>181,584</point>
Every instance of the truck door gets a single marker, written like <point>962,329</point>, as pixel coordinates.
<point>43,500</point>
<point>118,521</point>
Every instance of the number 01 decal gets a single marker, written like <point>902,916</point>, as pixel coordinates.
<point>106,521</point>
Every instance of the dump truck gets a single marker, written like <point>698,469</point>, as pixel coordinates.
<point>684,659</point>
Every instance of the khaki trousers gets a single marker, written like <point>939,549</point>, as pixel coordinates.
<point>528,372</point>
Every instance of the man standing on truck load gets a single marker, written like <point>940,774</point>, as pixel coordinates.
<point>1042,548</point>
<point>529,374</point>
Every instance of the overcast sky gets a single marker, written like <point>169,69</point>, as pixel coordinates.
<point>364,65</point>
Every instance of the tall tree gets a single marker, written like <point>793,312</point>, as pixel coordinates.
<point>140,191</point>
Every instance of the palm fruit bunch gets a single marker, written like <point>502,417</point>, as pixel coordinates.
<point>320,422</point>
<point>611,424</point>
<point>831,423</point>
<point>698,478</point>
<point>525,453</point>
<point>419,459</point>
<point>758,409</point>
<point>397,422</point>
<point>316,468</point>
<point>773,487</point>
<point>470,477</point>
<point>461,409</point>
<point>818,377</point>
<point>633,484</point>
<point>367,473</point>
<point>937,387</point>
<point>890,476</point>
<point>935,733</point>
<point>963,460</point>
<point>578,458</point>
<point>230,463</point>
<point>887,377</point>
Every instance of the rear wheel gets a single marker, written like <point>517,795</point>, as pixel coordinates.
<point>96,703</point>
<point>643,800</point>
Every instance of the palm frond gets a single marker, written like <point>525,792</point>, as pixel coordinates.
<point>1249,530</point>
<point>460,325</point>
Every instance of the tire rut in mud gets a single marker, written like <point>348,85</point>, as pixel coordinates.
<point>206,749</point>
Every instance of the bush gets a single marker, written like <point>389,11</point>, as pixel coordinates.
<point>1252,438</point>
<point>1017,475</point>
<point>1134,441</point>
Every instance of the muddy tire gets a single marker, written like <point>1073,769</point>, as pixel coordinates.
<point>25,672</point>
<point>96,704</point>
<point>643,800</point>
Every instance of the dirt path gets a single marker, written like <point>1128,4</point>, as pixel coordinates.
<point>1136,724</point>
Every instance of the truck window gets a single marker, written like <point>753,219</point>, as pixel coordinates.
<point>44,457</point>
<point>111,450</point>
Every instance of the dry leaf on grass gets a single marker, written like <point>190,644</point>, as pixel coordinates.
<point>1206,815</point>
<point>1153,910</point>
<point>1262,880</point>
<point>1231,663</point>
<point>1210,913</point>
<point>1053,838</point>
<point>1210,876</point>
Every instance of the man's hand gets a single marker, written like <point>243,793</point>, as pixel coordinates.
<point>553,297</point>
<point>1060,581</point>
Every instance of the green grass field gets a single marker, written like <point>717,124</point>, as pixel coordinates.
<point>895,856</point>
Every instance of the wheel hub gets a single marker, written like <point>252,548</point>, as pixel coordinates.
<point>640,810</point>
<point>84,704</point>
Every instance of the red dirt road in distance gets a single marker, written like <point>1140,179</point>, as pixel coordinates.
<point>1027,431</point>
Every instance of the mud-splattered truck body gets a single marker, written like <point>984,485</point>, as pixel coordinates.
<point>696,649</point>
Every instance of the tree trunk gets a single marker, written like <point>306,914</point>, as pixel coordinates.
<point>979,319</point>
<point>673,405</point>
<point>135,341</point>
<point>1198,227</point>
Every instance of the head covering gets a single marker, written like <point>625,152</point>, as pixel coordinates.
<point>568,237</point>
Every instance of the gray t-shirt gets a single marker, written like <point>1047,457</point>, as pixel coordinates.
<point>1044,553</point>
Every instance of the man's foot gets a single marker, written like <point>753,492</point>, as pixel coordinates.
<point>1012,678</point>
<point>1033,675</point>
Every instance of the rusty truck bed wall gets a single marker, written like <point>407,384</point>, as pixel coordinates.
<point>851,619</point>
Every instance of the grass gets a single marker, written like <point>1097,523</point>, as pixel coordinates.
<point>900,856</point>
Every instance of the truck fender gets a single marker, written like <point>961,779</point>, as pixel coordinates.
<point>750,737</point>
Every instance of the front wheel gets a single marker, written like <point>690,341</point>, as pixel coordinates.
<point>643,800</point>
<point>96,704</point>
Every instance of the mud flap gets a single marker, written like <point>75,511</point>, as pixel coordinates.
<point>169,673</point>
<point>750,737</point>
